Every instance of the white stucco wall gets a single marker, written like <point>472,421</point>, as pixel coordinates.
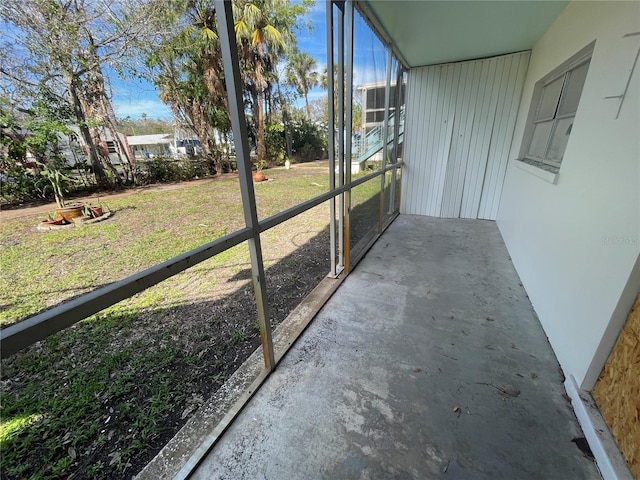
<point>575,244</point>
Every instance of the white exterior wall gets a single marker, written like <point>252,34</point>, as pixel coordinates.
<point>459,127</point>
<point>575,244</point>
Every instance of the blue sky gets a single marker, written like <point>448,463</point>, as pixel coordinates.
<point>315,43</point>
<point>133,98</point>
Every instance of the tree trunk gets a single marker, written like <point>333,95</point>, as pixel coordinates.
<point>261,149</point>
<point>98,107</point>
<point>94,159</point>
<point>285,121</point>
<point>211,68</point>
<point>129,172</point>
<point>269,104</point>
<point>103,154</point>
<point>121,150</point>
<point>287,130</point>
<point>207,142</point>
<point>306,101</point>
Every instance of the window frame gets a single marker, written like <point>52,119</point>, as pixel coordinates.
<point>111,146</point>
<point>564,72</point>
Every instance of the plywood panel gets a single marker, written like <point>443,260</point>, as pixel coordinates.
<point>460,122</point>
<point>617,391</point>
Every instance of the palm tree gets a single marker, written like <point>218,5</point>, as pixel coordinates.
<point>186,70</point>
<point>202,36</point>
<point>261,39</point>
<point>302,76</point>
<point>357,103</point>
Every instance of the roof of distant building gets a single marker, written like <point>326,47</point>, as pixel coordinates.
<point>156,139</point>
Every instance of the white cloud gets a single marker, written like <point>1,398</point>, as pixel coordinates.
<point>368,74</point>
<point>135,108</point>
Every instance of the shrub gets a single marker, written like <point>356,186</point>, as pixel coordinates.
<point>308,142</point>
<point>275,143</point>
<point>162,170</point>
<point>17,185</point>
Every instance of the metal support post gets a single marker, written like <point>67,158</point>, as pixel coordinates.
<point>340,116</point>
<point>331,139</point>
<point>396,133</point>
<point>385,138</point>
<point>233,81</point>
<point>349,17</point>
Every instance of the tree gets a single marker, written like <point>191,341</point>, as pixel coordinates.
<point>186,68</point>
<point>63,45</point>
<point>356,116</point>
<point>264,33</point>
<point>319,109</point>
<point>260,41</point>
<point>36,131</point>
<point>41,29</point>
<point>302,76</point>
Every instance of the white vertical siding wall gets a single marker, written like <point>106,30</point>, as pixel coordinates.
<point>460,120</point>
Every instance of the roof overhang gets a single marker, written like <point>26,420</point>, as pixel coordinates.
<point>154,139</point>
<point>426,32</point>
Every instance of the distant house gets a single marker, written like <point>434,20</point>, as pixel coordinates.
<point>150,146</point>
<point>368,141</point>
<point>187,147</point>
<point>162,145</point>
<point>373,95</point>
<point>73,149</point>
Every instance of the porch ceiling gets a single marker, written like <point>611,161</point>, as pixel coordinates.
<point>431,32</point>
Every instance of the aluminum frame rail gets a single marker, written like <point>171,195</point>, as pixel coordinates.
<point>227,36</point>
<point>20,335</point>
<point>331,141</point>
<point>399,107</point>
<point>340,5</point>
<point>348,124</point>
<point>385,145</point>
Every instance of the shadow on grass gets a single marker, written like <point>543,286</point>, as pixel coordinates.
<point>101,398</point>
<point>364,216</point>
<point>20,298</point>
<point>244,274</point>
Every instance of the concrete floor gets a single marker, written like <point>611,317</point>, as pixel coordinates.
<point>428,362</point>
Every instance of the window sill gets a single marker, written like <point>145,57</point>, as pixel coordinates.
<point>538,169</point>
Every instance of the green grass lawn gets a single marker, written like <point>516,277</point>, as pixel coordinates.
<point>99,399</point>
<point>40,269</point>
